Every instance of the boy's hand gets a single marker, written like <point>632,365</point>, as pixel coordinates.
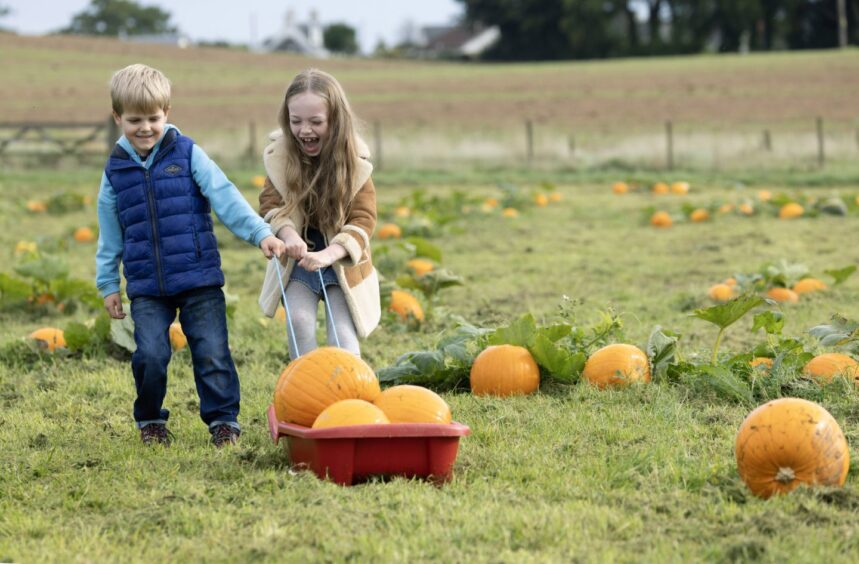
<point>272,246</point>
<point>113,305</point>
<point>295,247</point>
<point>326,257</point>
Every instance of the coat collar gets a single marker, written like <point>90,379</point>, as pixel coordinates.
<point>274,159</point>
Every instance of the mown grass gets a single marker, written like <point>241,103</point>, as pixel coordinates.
<point>644,474</point>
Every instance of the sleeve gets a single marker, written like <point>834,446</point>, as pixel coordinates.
<point>109,252</point>
<point>226,200</point>
<point>271,208</point>
<point>360,223</point>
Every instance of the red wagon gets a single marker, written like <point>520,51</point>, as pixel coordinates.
<point>353,453</point>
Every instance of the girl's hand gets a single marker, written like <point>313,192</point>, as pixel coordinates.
<point>326,257</point>
<point>272,246</point>
<point>294,245</point>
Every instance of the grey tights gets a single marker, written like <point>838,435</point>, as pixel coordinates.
<point>303,306</point>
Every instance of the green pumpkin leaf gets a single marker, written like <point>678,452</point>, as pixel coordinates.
<point>841,274</point>
<point>423,248</point>
<point>561,363</point>
<point>521,332</point>
<point>725,315</point>
<point>661,348</point>
<point>770,321</point>
<point>837,333</point>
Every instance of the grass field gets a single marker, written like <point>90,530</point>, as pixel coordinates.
<point>569,474</point>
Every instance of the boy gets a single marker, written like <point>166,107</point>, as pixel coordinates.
<point>154,204</point>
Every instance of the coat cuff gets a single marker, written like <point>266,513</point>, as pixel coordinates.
<point>348,242</point>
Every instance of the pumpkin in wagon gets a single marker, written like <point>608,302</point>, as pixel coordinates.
<point>319,378</point>
<point>350,412</point>
<point>413,404</point>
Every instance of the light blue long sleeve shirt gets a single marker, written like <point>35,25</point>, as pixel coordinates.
<point>227,202</point>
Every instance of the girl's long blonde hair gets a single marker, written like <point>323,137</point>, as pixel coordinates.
<point>322,185</point>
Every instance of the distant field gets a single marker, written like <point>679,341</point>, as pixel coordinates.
<point>436,113</point>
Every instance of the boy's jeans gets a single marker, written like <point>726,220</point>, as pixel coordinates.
<point>202,313</point>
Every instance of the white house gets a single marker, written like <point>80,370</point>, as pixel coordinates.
<point>305,38</point>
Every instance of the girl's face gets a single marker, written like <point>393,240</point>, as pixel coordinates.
<point>308,121</point>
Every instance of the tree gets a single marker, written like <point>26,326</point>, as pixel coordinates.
<point>340,38</point>
<point>119,17</point>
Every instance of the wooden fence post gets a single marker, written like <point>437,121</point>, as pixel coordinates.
<point>767,141</point>
<point>529,140</point>
<point>669,145</point>
<point>377,140</point>
<point>252,141</point>
<point>821,152</point>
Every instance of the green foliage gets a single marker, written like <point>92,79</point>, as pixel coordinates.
<point>840,332</point>
<point>340,38</point>
<point>119,17</point>
<point>725,315</point>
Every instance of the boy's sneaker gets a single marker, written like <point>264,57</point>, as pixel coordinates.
<point>156,434</point>
<point>223,435</point>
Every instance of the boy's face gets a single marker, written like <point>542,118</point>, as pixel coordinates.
<point>142,129</point>
<point>308,121</point>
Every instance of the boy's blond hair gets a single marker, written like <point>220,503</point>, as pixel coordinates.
<point>139,88</point>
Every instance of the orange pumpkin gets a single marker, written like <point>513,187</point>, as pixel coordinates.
<point>510,212</point>
<point>49,338</point>
<point>504,370</point>
<point>389,231</point>
<point>807,285</point>
<point>37,206</point>
<point>783,295</point>
<point>746,209</point>
<point>699,215</point>
<point>84,235</point>
<point>178,341</point>
<point>765,195</point>
<point>661,219</point>
<point>720,292</point>
<point>420,266</point>
<point>616,365</point>
<point>402,211</point>
<point>660,188</point>
<point>258,180</point>
<point>787,442</point>
<point>790,211</point>
<point>725,208</point>
<point>350,412</point>
<point>490,202</point>
<point>319,378</point>
<point>406,305</point>
<point>541,200</point>
<point>762,363</point>
<point>824,367</point>
<point>413,404</point>
<point>620,188</point>
<point>730,281</point>
<point>680,188</point>
<point>555,197</point>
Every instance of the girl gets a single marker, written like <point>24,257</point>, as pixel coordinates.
<point>320,201</point>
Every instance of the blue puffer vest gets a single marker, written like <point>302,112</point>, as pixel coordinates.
<point>169,244</point>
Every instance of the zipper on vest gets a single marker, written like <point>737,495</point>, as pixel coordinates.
<point>153,223</point>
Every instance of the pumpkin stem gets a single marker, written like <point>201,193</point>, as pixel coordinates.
<point>716,346</point>
<point>785,475</point>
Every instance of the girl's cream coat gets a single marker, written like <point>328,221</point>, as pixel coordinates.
<point>355,272</point>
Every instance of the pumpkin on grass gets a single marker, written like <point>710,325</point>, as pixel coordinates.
<point>823,368</point>
<point>413,404</point>
<point>617,365</point>
<point>420,266</point>
<point>783,295</point>
<point>699,215</point>
<point>389,231</point>
<point>49,338</point>
<point>319,378</point>
<point>807,285</point>
<point>178,341</point>
<point>620,188</point>
<point>84,235</point>
<point>790,211</point>
<point>350,412</point>
<point>762,363</point>
<point>661,219</point>
<point>787,442</point>
<point>406,305</point>
<point>720,292</point>
<point>504,370</point>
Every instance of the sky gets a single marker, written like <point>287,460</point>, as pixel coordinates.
<point>249,21</point>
